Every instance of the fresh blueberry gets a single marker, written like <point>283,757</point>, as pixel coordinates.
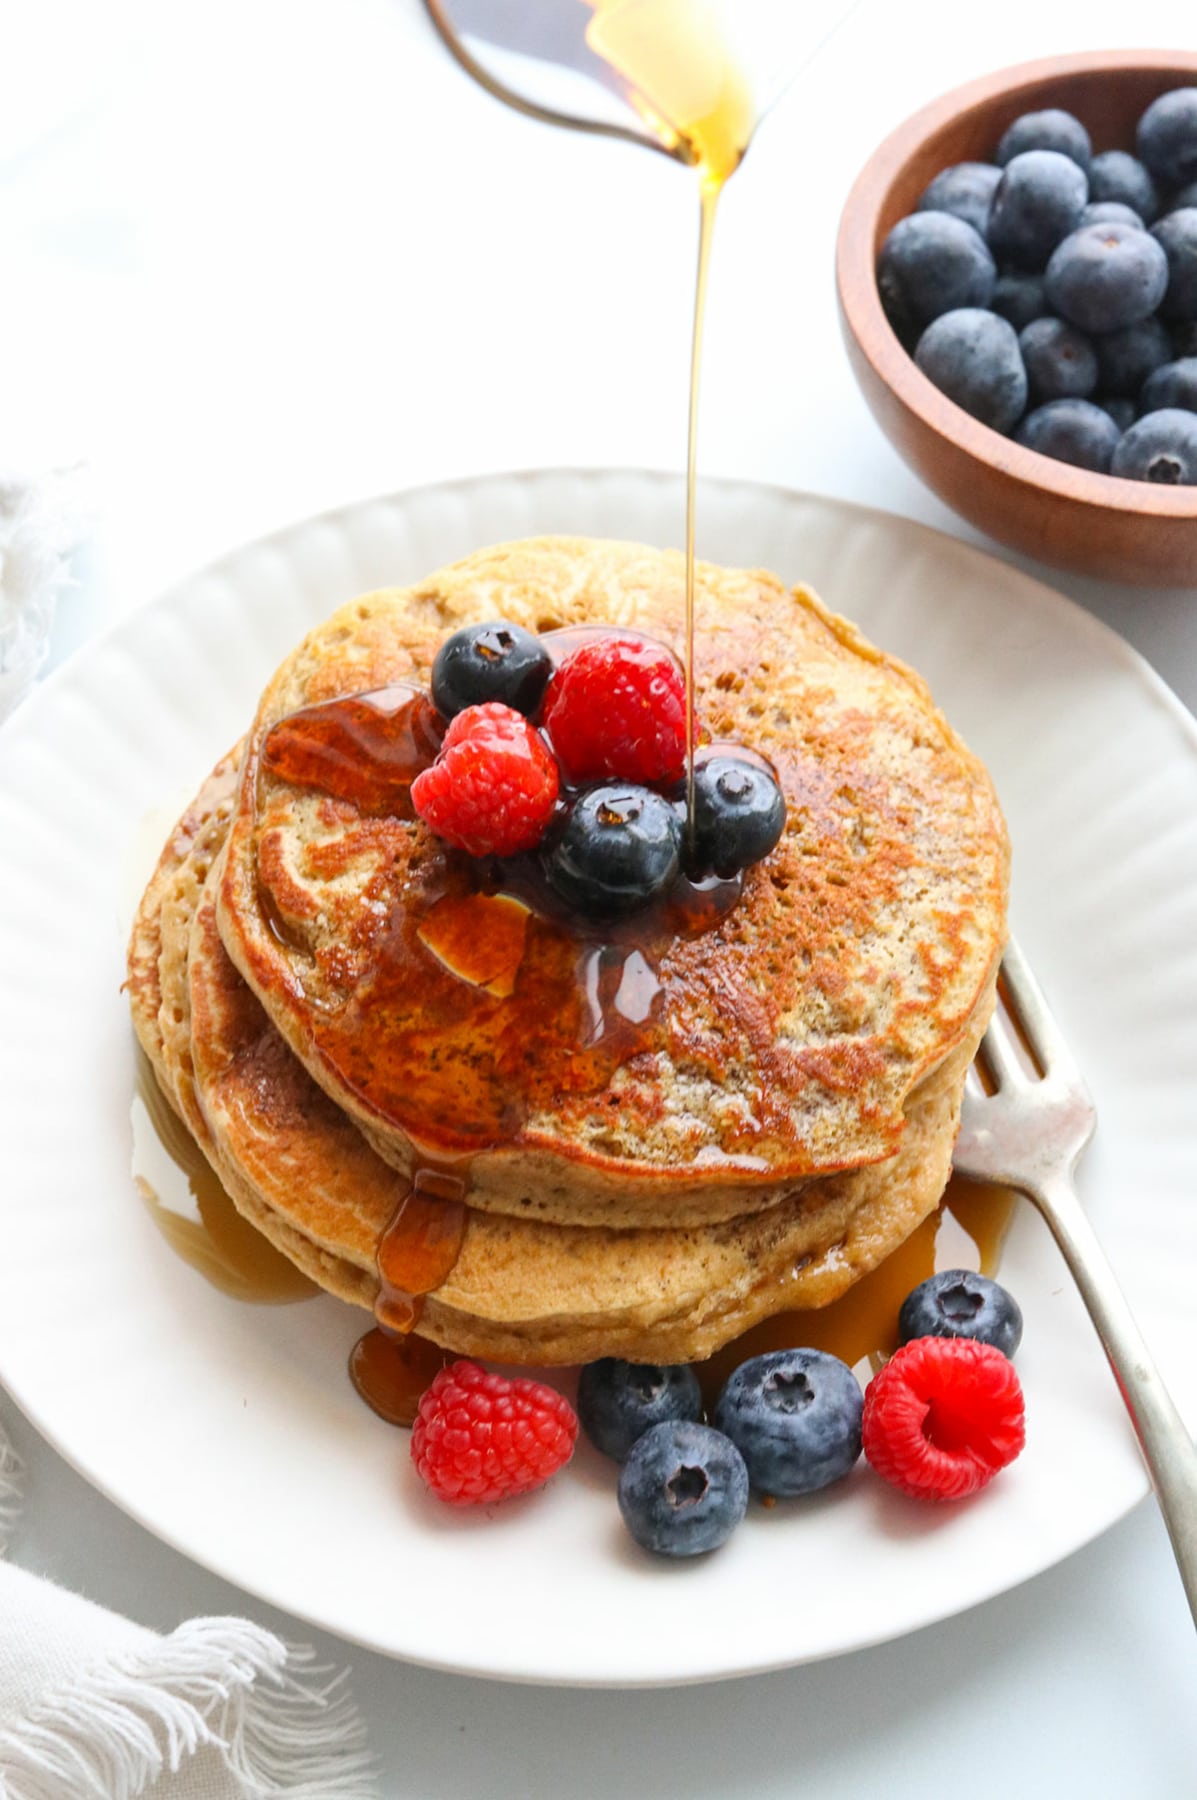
<point>1161,447</point>
<point>930,263</point>
<point>618,848</point>
<point>1172,384</point>
<point>973,357</point>
<point>739,813</point>
<point>1051,129</point>
<point>1167,137</point>
<point>1116,175</point>
<point>1019,297</point>
<point>1178,236</point>
<point>1183,334</point>
<point>795,1417</point>
<point>959,1304</point>
<point>1186,197</point>
<point>1037,202</point>
<point>1060,361</point>
<point>1126,358</point>
<point>965,189</point>
<point>496,661</point>
<point>1107,276</point>
<point>1110,212</point>
<point>1122,410</point>
<point>683,1489</point>
<point>619,1401</point>
<point>1073,431</point>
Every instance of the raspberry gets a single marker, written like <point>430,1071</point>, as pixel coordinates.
<point>617,707</point>
<point>942,1417</point>
<point>493,787</point>
<point>480,1437</point>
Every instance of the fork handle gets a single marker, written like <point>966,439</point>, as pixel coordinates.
<point>1164,1438</point>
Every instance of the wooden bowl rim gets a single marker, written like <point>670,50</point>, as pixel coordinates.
<point>860,301</point>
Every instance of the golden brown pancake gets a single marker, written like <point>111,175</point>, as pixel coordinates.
<point>522,1290</point>
<point>791,1040</point>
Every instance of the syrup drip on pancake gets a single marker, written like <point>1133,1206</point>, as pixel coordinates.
<point>420,1245</point>
<point>364,748</point>
<point>483,998</point>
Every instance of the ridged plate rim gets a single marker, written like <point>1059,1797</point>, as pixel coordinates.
<point>236,1438</point>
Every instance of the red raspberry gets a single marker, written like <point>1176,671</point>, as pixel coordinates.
<point>480,1437</point>
<point>617,707</point>
<point>942,1417</point>
<point>493,787</point>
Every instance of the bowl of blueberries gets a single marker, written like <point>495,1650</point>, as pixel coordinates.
<point>1017,278</point>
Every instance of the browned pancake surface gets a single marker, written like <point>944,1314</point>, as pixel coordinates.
<point>522,1289</point>
<point>788,1038</point>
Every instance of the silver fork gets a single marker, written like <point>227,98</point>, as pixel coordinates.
<point>1028,1134</point>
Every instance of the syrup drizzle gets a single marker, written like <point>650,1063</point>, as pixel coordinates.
<point>482,997</point>
<point>190,1208</point>
<point>365,748</point>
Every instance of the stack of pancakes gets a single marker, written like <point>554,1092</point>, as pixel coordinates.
<point>788,1120</point>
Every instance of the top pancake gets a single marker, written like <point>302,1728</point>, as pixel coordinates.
<point>785,1039</point>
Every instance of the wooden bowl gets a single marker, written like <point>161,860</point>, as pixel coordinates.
<point>1132,531</point>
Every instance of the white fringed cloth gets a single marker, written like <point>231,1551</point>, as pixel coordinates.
<point>92,1706</point>
<point>40,525</point>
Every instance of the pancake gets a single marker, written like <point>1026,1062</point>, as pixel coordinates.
<point>792,1040</point>
<point>522,1290</point>
<point>156,982</point>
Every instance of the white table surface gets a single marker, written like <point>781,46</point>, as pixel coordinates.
<point>258,257</point>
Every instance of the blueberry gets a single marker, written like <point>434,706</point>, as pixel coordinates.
<point>496,661</point>
<point>1177,234</point>
<point>973,357</point>
<point>1116,175</point>
<point>795,1417</point>
<point>739,813</point>
<point>1167,137</point>
<point>1110,212</point>
<point>1126,358</point>
<point>1107,276</point>
<point>1122,410</point>
<point>683,1489</point>
<point>958,1304</point>
<point>1060,361</point>
<point>930,263</point>
<point>618,848</point>
<point>1073,431</point>
<point>1172,384</point>
<point>1019,297</point>
<point>1161,447</point>
<point>1051,129</point>
<point>1037,202</point>
<point>965,189</point>
<point>1186,197</point>
<point>619,1401</point>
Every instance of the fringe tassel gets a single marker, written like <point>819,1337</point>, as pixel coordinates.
<point>282,1726</point>
<point>11,1472</point>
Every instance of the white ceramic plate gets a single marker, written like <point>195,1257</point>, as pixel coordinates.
<point>231,1430</point>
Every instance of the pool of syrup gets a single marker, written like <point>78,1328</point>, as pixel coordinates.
<point>966,1231</point>
<point>191,1209</point>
